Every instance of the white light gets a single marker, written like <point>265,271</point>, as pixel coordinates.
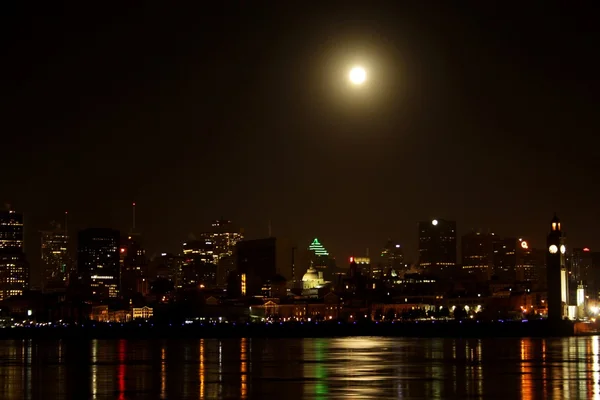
<point>397,246</point>
<point>357,75</point>
<point>434,222</point>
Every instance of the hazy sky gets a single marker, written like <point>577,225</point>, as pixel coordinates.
<point>484,114</point>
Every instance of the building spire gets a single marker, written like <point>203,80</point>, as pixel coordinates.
<point>133,217</point>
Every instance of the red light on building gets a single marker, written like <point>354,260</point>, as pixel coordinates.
<point>351,259</point>
<point>122,250</point>
<point>586,249</point>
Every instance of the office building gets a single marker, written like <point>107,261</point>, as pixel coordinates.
<point>259,261</point>
<point>505,258</point>
<point>14,269</point>
<point>477,254</point>
<point>525,267</point>
<point>392,258</point>
<point>56,263</point>
<point>198,267</point>
<point>133,265</point>
<point>318,257</point>
<point>11,231</point>
<point>98,261</point>
<point>167,266</point>
<point>14,274</point>
<point>437,247</point>
<point>220,241</point>
<point>581,264</point>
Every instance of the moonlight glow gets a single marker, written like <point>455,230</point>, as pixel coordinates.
<point>357,75</point>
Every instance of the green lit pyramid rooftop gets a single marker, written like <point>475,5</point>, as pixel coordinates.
<point>318,248</point>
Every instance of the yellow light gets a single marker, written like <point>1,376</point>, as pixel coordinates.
<point>357,75</point>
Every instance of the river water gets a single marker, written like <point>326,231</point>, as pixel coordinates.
<point>338,368</point>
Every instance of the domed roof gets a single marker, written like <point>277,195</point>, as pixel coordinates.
<point>310,275</point>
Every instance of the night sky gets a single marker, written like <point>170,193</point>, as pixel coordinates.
<point>485,114</point>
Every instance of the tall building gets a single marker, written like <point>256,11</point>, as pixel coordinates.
<point>14,269</point>
<point>98,261</point>
<point>199,263</point>
<point>477,254</point>
<point>202,250</point>
<point>11,231</point>
<point>556,273</point>
<point>392,257</point>
<point>505,258</point>
<point>319,258</point>
<point>167,266</point>
<point>581,264</point>
<point>526,261</point>
<point>259,261</point>
<point>56,264</point>
<point>437,246</point>
<point>133,265</point>
<point>221,240</point>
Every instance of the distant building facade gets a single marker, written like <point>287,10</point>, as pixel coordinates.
<point>392,258</point>
<point>133,265</point>
<point>259,261</point>
<point>14,269</point>
<point>505,258</point>
<point>477,254</point>
<point>437,246</point>
<point>56,264</point>
<point>98,261</point>
<point>526,262</point>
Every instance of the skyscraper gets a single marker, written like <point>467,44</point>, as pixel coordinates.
<point>556,273</point>
<point>55,258</point>
<point>11,231</point>
<point>221,240</point>
<point>505,258</point>
<point>525,269</point>
<point>319,258</point>
<point>133,264</point>
<point>14,269</point>
<point>393,255</point>
<point>98,261</point>
<point>437,246</point>
<point>477,254</point>
<point>581,264</point>
<point>261,260</point>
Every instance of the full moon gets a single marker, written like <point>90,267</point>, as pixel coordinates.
<point>357,75</point>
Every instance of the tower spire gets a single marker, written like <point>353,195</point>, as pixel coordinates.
<point>133,217</point>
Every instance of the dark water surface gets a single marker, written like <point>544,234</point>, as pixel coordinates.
<point>360,368</point>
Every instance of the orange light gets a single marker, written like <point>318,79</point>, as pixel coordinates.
<point>524,245</point>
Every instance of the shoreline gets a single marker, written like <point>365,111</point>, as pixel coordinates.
<point>433,329</point>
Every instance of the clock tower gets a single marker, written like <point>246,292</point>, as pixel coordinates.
<point>556,272</point>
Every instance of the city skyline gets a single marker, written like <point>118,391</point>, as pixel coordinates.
<point>37,266</point>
